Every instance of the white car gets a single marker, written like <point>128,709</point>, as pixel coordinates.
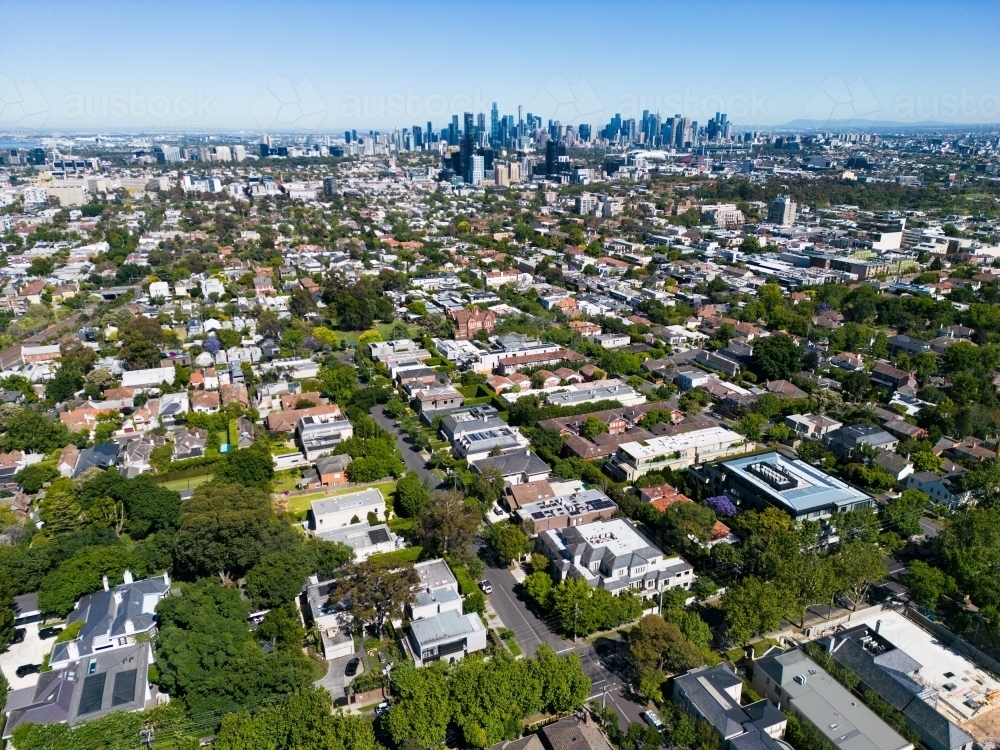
<point>486,587</point>
<point>653,720</point>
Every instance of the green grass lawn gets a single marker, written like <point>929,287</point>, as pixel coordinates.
<point>285,481</point>
<point>186,484</point>
<point>223,436</point>
<point>301,503</point>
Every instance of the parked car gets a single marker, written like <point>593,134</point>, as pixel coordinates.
<point>46,633</point>
<point>352,667</point>
<point>653,720</point>
<point>486,587</point>
<point>25,669</point>
<point>381,708</point>
<point>19,634</point>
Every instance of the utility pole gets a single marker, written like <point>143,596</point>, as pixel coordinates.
<point>576,611</point>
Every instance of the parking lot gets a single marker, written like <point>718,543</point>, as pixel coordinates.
<point>31,651</point>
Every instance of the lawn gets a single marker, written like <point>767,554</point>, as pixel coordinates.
<point>186,484</point>
<point>301,503</point>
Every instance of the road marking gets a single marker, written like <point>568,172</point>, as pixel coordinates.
<point>521,614</point>
<point>571,648</point>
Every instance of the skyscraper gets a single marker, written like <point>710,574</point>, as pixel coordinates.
<point>418,137</point>
<point>494,124</point>
<point>553,150</point>
<point>476,170</point>
<point>453,131</point>
<point>781,211</point>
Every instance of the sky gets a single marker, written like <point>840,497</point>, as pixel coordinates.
<point>323,67</point>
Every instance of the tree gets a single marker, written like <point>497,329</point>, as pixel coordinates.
<point>375,589</point>
<point>655,644</point>
<point>776,357</point>
<point>7,615</point>
<point>300,721</point>
<point>722,505</point>
<point>277,578</point>
<point>447,525</point>
<point>592,427</point>
<point>927,584</point>
<point>752,606</point>
<point>422,709</point>
<point>60,509</point>
<point>251,467</point>
<point>537,586</point>
<point>858,565</point>
<point>148,507</point>
<point>411,494</point>
<point>82,574</point>
<point>508,541</point>
<point>207,657</point>
<point>489,485</point>
<point>902,514</point>
<point>970,547</point>
<point>31,478</point>
<point>223,530</point>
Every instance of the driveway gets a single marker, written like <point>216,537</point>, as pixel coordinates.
<point>411,456</point>
<point>31,651</point>
<point>335,681</point>
<point>603,661</point>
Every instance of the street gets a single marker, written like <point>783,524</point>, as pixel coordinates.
<point>604,661</point>
<point>412,458</point>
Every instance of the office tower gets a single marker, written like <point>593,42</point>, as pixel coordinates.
<point>475,175</point>
<point>239,153</point>
<point>168,154</point>
<point>520,121</point>
<point>480,123</point>
<point>489,156</point>
<point>553,150</point>
<point>781,211</point>
<point>515,172</point>
<point>418,137</point>
<point>453,131</point>
<point>329,187</point>
<point>347,136</point>
<point>501,175</point>
<point>494,124</point>
<point>683,132</point>
<point>585,133</point>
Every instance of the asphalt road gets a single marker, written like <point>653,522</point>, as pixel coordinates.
<point>411,457</point>
<point>604,662</point>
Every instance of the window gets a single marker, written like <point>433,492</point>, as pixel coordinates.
<point>92,666</point>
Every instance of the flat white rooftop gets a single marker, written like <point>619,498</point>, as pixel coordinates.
<point>660,446</point>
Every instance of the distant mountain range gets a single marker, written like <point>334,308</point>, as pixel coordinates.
<point>880,125</point>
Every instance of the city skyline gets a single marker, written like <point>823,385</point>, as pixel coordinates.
<point>277,69</point>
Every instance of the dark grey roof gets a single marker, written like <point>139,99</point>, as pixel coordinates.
<point>515,462</point>
<point>103,456</point>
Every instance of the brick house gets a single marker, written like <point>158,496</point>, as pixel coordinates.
<point>470,322</point>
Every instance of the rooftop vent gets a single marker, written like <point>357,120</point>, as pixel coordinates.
<point>774,475</point>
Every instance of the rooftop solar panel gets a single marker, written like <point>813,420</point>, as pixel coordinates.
<point>124,691</point>
<point>378,536</point>
<point>92,694</point>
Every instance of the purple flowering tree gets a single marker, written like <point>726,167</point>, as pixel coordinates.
<point>722,505</point>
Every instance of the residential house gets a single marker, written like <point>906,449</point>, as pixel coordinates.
<point>571,733</point>
<point>287,421</point>
<point>205,402</point>
<point>319,434</point>
<point>714,695</point>
<point>897,465</point>
<point>616,556</point>
<point>436,399</point>
<point>516,467</point>
<point>806,691</point>
<point>943,490</point>
<point>633,460</point>
<point>814,426</point>
<point>341,510</point>
<point>437,591</point>
<point>846,440</point>
<point>565,511</point>
<point>449,636</point>
<point>903,344</point>
<point>329,471</point>
<point>470,322</point>
<point>888,376</point>
<point>848,361</point>
<point>190,444</point>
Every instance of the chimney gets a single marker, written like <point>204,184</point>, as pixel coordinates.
<point>166,578</point>
<point>128,576</point>
<point>104,580</point>
<point>586,718</point>
<point>72,650</point>
<point>878,626</point>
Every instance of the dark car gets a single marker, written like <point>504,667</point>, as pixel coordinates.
<point>352,667</point>
<point>46,633</point>
<point>18,635</point>
<point>25,669</point>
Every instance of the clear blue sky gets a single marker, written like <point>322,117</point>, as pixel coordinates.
<point>327,66</point>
